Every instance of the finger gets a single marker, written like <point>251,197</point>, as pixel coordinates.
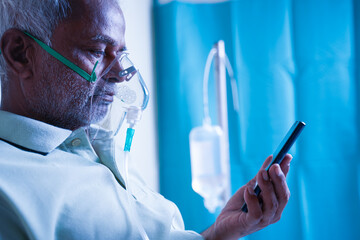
<point>285,164</point>
<point>270,202</point>
<point>254,214</point>
<point>281,189</point>
<point>252,183</point>
<point>267,162</point>
<point>237,200</point>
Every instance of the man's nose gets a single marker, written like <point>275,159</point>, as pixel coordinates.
<point>128,73</point>
<point>118,73</point>
<point>113,74</point>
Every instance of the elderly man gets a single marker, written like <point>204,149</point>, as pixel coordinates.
<point>55,181</point>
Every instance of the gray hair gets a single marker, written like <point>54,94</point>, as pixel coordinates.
<point>38,17</point>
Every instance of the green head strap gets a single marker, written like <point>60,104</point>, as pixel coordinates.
<point>58,56</point>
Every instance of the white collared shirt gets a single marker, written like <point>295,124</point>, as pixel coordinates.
<point>55,184</point>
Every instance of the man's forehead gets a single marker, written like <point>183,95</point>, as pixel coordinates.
<point>97,20</point>
<point>79,6</point>
<point>93,9</point>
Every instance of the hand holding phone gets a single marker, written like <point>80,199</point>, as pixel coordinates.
<point>281,151</point>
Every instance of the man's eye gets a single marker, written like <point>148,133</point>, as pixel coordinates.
<point>97,53</point>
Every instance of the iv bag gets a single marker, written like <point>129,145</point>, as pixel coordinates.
<point>209,165</point>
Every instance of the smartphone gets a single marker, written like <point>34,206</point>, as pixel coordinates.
<point>281,151</point>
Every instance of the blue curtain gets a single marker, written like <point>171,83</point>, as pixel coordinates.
<point>293,60</point>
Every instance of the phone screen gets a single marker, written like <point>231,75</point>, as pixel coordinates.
<point>281,151</point>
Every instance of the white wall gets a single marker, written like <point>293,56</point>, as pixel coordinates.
<point>144,156</point>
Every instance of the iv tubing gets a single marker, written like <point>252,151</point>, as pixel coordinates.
<point>234,91</point>
<point>209,59</point>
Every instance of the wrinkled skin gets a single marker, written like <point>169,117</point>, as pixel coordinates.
<point>43,88</point>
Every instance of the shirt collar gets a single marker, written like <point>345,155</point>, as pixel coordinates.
<point>31,134</point>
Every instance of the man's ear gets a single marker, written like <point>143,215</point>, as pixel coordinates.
<point>18,51</point>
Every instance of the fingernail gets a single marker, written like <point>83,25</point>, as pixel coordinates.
<point>265,175</point>
<point>291,157</point>
<point>250,191</point>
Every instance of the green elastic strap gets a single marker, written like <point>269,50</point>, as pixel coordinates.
<point>68,63</point>
<point>129,136</point>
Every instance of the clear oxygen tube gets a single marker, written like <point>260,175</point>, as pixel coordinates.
<point>209,148</point>
<point>133,116</point>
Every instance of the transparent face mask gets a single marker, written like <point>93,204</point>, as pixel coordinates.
<point>130,86</point>
<point>126,83</point>
<point>130,93</point>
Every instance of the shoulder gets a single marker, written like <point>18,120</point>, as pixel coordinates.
<point>10,221</point>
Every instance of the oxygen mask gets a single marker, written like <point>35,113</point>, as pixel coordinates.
<point>130,87</point>
<point>130,95</point>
